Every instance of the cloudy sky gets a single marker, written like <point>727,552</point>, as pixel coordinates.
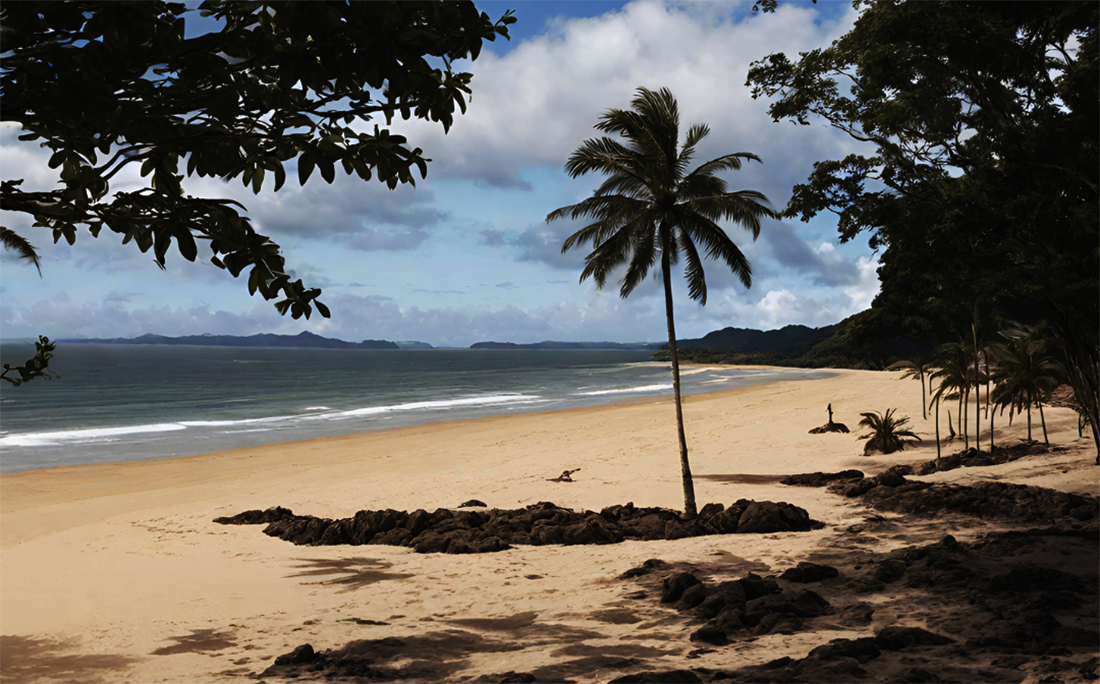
<point>466,256</point>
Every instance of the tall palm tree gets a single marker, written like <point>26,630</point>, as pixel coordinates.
<point>1027,375</point>
<point>917,368</point>
<point>652,207</point>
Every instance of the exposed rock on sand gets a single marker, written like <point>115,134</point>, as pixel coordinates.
<point>973,458</point>
<point>447,531</point>
<point>890,491</point>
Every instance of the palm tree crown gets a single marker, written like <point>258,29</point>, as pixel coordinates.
<point>651,205</point>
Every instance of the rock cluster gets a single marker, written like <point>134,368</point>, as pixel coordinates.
<point>476,531</point>
<point>890,491</point>
<point>973,458</point>
<point>742,608</point>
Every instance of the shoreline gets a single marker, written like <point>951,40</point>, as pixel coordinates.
<point>611,401</point>
<point>90,473</point>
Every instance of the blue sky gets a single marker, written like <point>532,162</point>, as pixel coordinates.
<point>466,255</point>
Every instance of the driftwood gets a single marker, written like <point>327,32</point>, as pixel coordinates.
<point>566,476</point>
<point>830,426</point>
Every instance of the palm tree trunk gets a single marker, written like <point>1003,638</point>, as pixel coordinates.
<point>1044,420</point>
<point>685,467</point>
<point>977,402</point>
<point>1029,420</point>
<point>959,418</point>
<point>937,429</point>
<point>965,417</point>
<point>923,401</point>
<point>990,426</point>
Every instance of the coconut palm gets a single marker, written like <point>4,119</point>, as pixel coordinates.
<point>888,434</point>
<point>953,376</point>
<point>916,369</point>
<point>651,207</point>
<point>1027,375</point>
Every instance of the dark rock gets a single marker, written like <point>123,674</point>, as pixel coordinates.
<point>767,516</point>
<point>473,503</point>
<point>756,586</point>
<point>694,595</point>
<point>643,569</point>
<point>489,530</point>
<point>515,678</point>
<point>302,654</point>
<point>710,633</point>
<point>659,677</point>
<point>725,595</point>
<point>890,478</point>
<point>897,638</point>
<point>821,479</point>
<point>888,571</point>
<point>863,650</point>
<point>855,615</point>
<point>804,604</point>
<point>257,517</point>
<point>809,572</point>
<point>778,623</point>
<point>675,585</point>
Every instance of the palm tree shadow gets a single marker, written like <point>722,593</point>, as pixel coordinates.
<point>24,659</point>
<point>350,573</point>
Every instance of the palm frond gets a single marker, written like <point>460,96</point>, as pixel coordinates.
<point>717,243</point>
<point>727,162</point>
<point>21,246</point>
<point>645,255</point>
<point>693,270</point>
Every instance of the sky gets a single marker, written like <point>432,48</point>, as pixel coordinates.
<point>466,255</point>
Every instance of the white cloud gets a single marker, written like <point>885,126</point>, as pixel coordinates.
<point>535,104</point>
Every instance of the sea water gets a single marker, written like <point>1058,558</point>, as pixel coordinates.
<point>130,402</point>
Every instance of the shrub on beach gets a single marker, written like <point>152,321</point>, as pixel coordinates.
<point>888,434</point>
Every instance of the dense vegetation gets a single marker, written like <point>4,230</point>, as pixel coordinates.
<point>978,179</point>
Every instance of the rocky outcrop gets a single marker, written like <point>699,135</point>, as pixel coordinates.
<point>477,531</point>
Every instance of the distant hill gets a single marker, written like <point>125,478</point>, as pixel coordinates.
<point>791,340</point>
<point>303,340</point>
<point>858,341</point>
<point>549,344</point>
<point>412,344</point>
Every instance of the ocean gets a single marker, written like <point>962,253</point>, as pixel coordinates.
<point>128,402</point>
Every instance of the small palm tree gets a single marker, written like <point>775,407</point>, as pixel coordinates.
<point>652,207</point>
<point>888,434</point>
<point>917,368</point>
<point>1027,375</point>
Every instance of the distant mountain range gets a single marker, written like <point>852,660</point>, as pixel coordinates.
<point>550,345</point>
<point>303,340</point>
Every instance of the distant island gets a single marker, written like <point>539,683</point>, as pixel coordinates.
<point>303,340</point>
<point>551,345</point>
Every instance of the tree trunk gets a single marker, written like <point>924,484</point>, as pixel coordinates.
<point>965,408</point>
<point>977,400</point>
<point>1029,419</point>
<point>990,425</point>
<point>959,418</point>
<point>685,467</point>
<point>1044,421</point>
<point>937,429</point>
<point>923,401</point>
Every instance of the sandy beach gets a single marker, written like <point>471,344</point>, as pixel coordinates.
<point>117,573</point>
